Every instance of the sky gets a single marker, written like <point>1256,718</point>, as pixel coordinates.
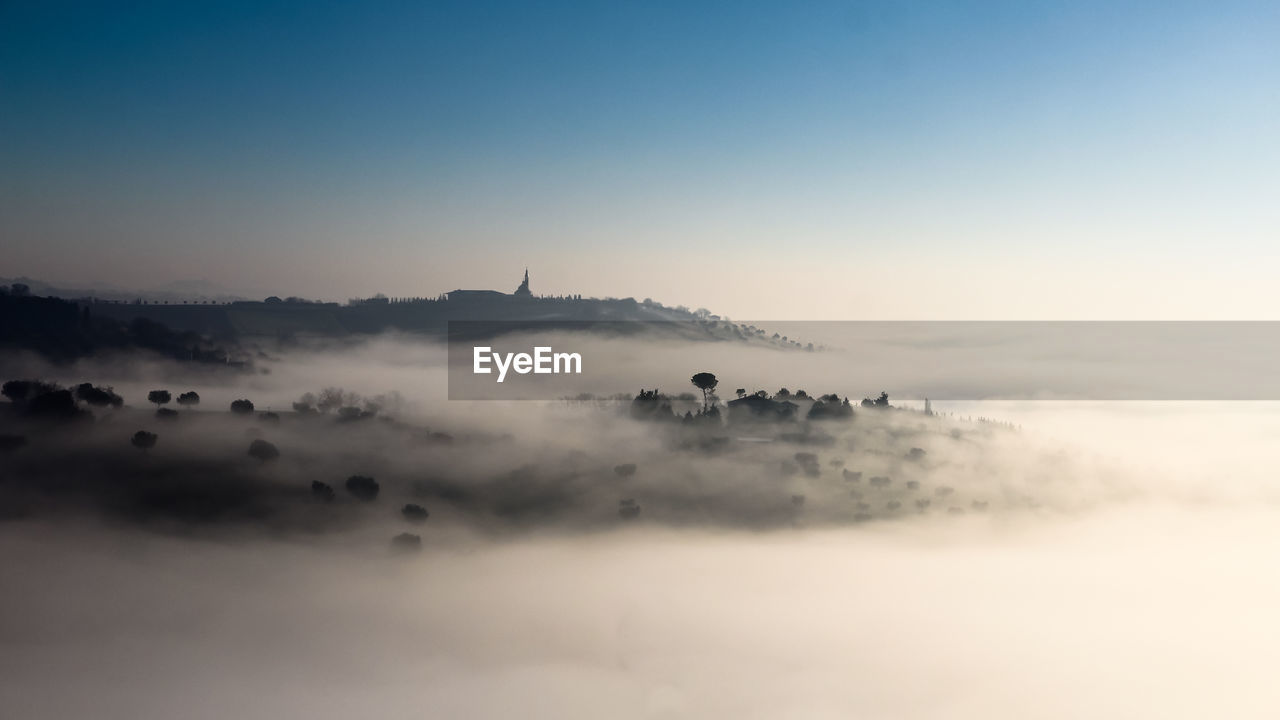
<point>788,160</point>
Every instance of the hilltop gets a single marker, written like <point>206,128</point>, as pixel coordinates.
<point>229,322</point>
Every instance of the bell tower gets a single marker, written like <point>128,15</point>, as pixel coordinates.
<point>523,290</point>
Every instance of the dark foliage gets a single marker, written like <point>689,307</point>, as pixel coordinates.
<point>406,542</point>
<point>97,396</point>
<point>830,407</point>
<point>706,382</point>
<point>808,462</point>
<point>628,509</point>
<point>241,407</point>
<point>144,440</point>
<point>191,397</point>
<point>322,491</point>
<point>63,330</point>
<point>59,405</point>
<point>363,487</point>
<point>760,408</point>
<point>414,513</point>
<point>263,450</point>
<point>20,391</point>
<point>651,405</point>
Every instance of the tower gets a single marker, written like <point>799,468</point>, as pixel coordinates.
<point>523,290</point>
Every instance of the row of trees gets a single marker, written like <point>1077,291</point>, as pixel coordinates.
<point>652,405</point>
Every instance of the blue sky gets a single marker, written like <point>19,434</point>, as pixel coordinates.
<point>982,150</point>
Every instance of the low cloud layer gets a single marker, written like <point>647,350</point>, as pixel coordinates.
<point>1112,569</point>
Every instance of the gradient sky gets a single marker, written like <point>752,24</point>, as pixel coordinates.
<point>828,160</point>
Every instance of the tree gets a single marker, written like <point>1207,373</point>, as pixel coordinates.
<point>321,491</point>
<point>332,398</point>
<point>263,450</point>
<point>883,400</point>
<point>406,542</point>
<point>98,397</point>
<point>191,397</point>
<point>159,397</point>
<point>415,513</point>
<point>144,440</point>
<point>241,407</point>
<point>706,382</point>
<point>740,392</point>
<point>21,390</point>
<point>363,487</point>
<point>55,404</point>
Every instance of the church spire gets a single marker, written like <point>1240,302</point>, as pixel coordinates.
<point>523,290</point>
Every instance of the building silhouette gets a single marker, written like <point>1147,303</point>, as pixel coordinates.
<point>523,290</point>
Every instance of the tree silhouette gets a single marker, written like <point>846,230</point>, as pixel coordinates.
<point>190,397</point>
<point>159,397</point>
<point>364,488</point>
<point>628,509</point>
<point>415,513</point>
<point>263,450</point>
<point>241,407</point>
<point>406,542</point>
<point>144,440</point>
<point>321,491</point>
<point>98,397</point>
<point>21,390</point>
<point>706,382</point>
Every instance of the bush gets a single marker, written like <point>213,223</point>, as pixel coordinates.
<point>241,407</point>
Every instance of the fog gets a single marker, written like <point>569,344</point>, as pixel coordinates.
<point>1108,559</point>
